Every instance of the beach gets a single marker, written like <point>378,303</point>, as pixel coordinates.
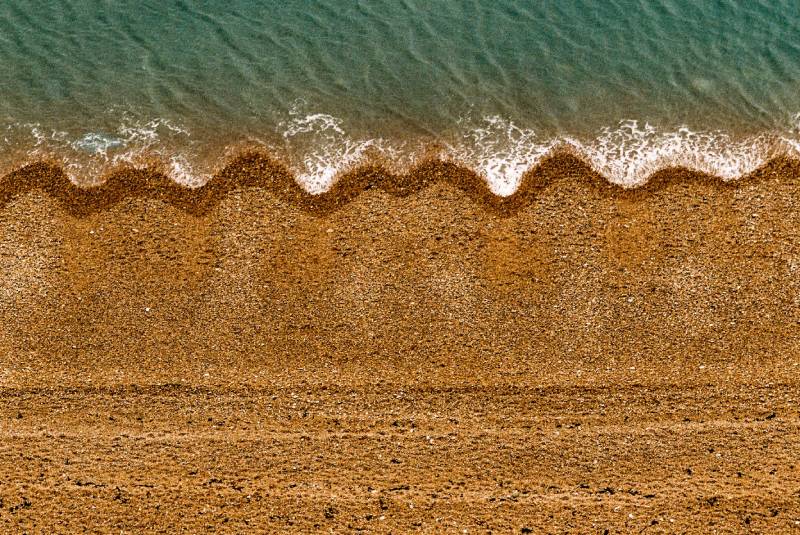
<point>510,267</point>
<point>403,353</point>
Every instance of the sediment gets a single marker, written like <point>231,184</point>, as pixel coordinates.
<point>257,169</point>
<point>402,353</point>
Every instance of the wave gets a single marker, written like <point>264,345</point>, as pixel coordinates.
<point>317,151</point>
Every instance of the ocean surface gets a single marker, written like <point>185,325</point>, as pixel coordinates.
<point>632,86</point>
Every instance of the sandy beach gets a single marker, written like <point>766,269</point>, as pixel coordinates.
<point>404,353</point>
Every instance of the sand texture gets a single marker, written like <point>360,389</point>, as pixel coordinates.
<point>403,354</point>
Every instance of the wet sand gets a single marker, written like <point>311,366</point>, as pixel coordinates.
<point>407,353</point>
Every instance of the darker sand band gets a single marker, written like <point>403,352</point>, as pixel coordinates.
<point>258,170</point>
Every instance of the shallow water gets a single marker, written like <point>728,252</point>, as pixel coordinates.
<point>632,86</point>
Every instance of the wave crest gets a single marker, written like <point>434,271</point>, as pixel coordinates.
<point>317,150</point>
<point>629,154</point>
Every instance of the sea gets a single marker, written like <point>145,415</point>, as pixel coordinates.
<point>630,86</point>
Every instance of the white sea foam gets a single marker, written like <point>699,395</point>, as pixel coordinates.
<point>327,149</point>
<point>321,148</point>
<point>500,151</point>
<point>792,140</point>
<point>181,170</point>
<point>148,138</point>
<point>629,154</point>
<point>98,144</point>
<point>166,141</point>
<point>87,156</point>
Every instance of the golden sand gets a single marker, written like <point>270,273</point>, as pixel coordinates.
<point>405,353</point>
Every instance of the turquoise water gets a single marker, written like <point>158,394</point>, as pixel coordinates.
<point>633,85</point>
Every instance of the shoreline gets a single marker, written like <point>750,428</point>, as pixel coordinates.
<point>500,153</point>
<point>258,170</point>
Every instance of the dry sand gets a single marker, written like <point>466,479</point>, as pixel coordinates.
<point>402,354</point>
